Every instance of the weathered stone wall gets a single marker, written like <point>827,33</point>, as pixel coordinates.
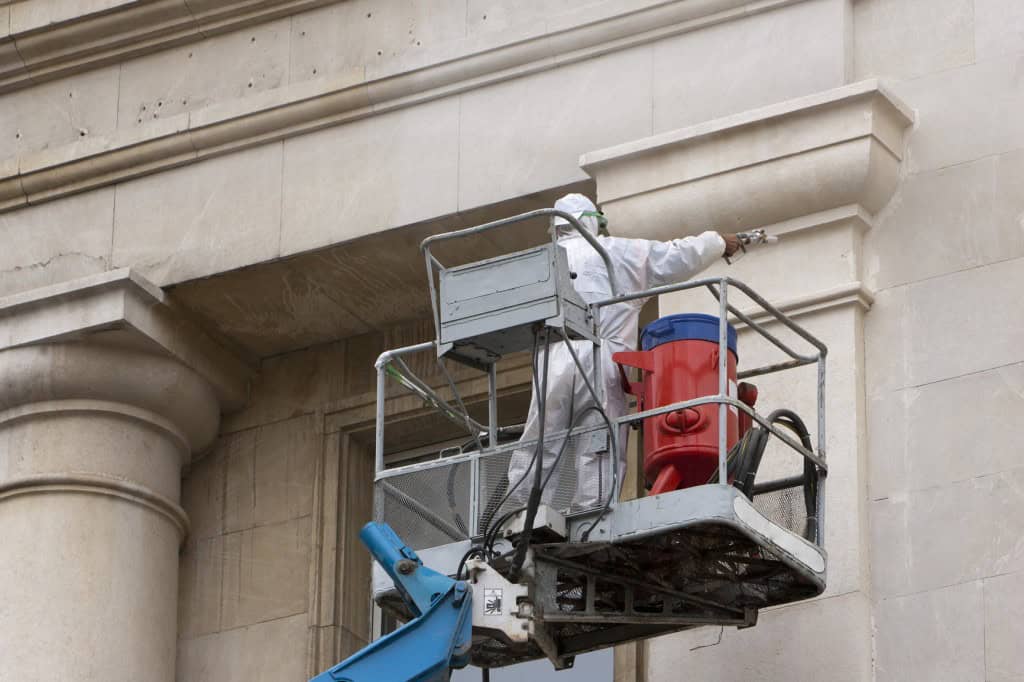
<point>461,113</point>
<point>274,164</point>
<point>274,582</point>
<point>943,345</point>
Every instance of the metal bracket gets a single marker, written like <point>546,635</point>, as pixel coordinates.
<point>497,604</point>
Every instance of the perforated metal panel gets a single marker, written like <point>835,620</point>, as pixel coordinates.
<point>785,507</point>
<point>454,498</point>
<point>428,507</point>
<point>564,491</point>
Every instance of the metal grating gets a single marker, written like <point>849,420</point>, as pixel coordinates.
<point>427,507</point>
<point>434,503</point>
<point>564,491</point>
<point>785,508</point>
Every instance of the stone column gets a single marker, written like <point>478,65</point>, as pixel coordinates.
<point>96,424</point>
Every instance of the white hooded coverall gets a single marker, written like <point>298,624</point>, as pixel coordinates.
<point>639,264</point>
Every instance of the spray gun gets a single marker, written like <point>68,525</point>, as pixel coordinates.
<point>751,239</point>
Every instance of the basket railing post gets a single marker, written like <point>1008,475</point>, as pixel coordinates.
<point>492,406</point>
<point>723,379</point>
<point>378,451</point>
<point>820,511</point>
<point>492,443</point>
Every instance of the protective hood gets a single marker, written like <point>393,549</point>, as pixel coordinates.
<point>577,205</point>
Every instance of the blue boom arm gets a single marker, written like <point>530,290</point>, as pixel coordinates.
<point>429,646</point>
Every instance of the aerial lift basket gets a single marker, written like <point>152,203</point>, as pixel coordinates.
<point>598,571</point>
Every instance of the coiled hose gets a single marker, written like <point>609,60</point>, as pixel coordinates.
<point>745,458</point>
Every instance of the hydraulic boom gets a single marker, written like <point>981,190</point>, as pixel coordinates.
<point>427,647</point>
<point>562,566</point>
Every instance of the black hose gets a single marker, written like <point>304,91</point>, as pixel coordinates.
<point>453,506</point>
<point>515,570</point>
<point>795,424</point>
<point>490,509</point>
<point>492,506</point>
<point>492,533</point>
<point>465,557</point>
<point>745,459</point>
<point>574,421</point>
<point>613,435</point>
<point>747,454</point>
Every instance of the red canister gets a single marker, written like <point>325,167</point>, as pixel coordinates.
<point>679,361</point>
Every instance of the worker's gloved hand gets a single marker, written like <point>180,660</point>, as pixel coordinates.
<point>732,243</point>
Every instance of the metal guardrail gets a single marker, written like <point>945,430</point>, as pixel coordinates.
<point>391,363</point>
<point>719,287</point>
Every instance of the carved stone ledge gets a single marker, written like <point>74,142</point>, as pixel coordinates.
<point>446,70</point>
<point>41,47</point>
<point>842,147</point>
<point>854,293</point>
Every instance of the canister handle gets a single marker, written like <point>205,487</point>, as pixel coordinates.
<point>641,360</point>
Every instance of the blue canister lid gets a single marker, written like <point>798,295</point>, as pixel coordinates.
<point>685,327</point>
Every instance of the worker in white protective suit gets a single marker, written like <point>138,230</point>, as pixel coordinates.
<point>639,264</point>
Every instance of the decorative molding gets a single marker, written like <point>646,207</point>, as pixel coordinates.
<point>329,510</point>
<point>809,155</point>
<point>853,293</point>
<point>843,215</point>
<point>35,51</point>
<point>115,369</point>
<point>304,107</point>
<point>89,484</point>
<point>123,410</point>
<point>131,312</point>
<point>92,284</point>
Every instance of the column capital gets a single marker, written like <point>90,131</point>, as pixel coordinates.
<point>124,313</point>
<point>87,378</point>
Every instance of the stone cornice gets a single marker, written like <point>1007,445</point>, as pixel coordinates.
<point>123,309</point>
<point>851,213</point>
<point>809,155</point>
<point>304,107</point>
<point>41,47</point>
<point>852,293</point>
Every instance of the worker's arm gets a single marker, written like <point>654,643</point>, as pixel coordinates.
<point>676,260</point>
<point>732,243</point>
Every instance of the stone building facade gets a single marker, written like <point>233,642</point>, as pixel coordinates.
<point>210,213</point>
